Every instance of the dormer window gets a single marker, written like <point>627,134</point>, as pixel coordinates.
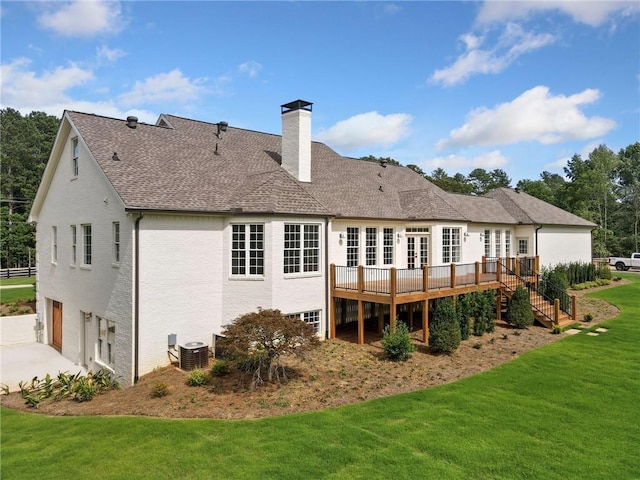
<point>74,157</point>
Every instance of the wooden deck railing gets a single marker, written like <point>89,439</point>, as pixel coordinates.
<point>394,281</point>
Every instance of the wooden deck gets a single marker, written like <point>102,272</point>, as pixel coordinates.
<point>394,287</point>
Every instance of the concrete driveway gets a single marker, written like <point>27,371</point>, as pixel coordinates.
<point>22,358</point>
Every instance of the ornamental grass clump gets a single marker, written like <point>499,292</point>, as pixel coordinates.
<point>397,344</point>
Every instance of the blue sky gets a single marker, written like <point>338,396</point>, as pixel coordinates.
<point>520,86</point>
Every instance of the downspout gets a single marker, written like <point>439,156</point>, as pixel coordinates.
<point>537,228</point>
<point>136,314</point>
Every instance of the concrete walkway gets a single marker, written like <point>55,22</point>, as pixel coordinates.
<point>21,358</point>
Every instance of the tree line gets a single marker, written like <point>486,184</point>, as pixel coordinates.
<point>603,188</point>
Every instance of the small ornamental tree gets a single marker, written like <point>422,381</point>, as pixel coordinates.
<point>257,341</point>
<point>465,308</point>
<point>444,329</point>
<point>519,312</point>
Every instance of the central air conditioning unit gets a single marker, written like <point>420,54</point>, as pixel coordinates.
<point>194,355</point>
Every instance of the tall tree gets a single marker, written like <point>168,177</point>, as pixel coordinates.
<point>484,181</point>
<point>629,193</point>
<point>26,144</point>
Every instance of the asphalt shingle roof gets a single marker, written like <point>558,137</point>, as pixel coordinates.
<point>181,165</point>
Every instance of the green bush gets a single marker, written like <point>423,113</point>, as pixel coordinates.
<point>444,329</point>
<point>588,317</point>
<point>465,309</point>
<point>220,368</point>
<point>556,329</point>
<point>397,345</point>
<point>197,378</point>
<point>519,312</point>
<point>159,390</point>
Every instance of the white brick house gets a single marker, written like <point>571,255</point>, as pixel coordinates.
<point>177,228</point>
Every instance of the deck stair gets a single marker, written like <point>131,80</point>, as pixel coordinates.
<point>547,311</point>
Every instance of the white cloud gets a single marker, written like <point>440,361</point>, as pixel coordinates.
<point>251,68</point>
<point>164,87</point>
<point>593,13</point>
<point>83,18</point>
<point>536,115</point>
<point>488,161</point>
<point>367,130</point>
<point>22,87</point>
<point>109,54</point>
<point>513,43</point>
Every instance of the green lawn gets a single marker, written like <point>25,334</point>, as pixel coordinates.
<point>570,410</point>
<point>18,281</point>
<point>10,295</point>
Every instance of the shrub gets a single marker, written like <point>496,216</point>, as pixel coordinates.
<point>159,390</point>
<point>220,368</point>
<point>588,317</point>
<point>603,271</point>
<point>444,329</point>
<point>397,345</point>
<point>556,329</point>
<point>519,312</point>
<point>197,378</point>
<point>85,389</point>
<point>466,309</point>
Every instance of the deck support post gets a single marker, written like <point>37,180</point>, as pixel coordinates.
<point>453,275</point>
<point>556,311</point>
<point>425,321</point>
<point>484,264</point>
<point>574,308</point>
<point>394,290</point>
<point>536,264</point>
<point>477,273</point>
<point>380,307</point>
<point>360,278</point>
<point>499,272</point>
<point>360,322</point>
<point>425,278</point>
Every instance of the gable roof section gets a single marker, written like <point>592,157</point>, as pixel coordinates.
<point>187,168</point>
<point>528,209</point>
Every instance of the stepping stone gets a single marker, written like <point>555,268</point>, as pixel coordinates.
<point>583,327</point>
<point>593,334</point>
<point>572,331</point>
<point>601,330</point>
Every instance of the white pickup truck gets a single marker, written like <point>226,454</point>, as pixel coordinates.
<point>625,263</point>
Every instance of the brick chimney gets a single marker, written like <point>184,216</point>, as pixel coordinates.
<point>296,139</point>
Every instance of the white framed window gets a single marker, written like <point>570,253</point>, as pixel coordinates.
<point>74,157</point>
<point>387,246</point>
<point>115,231</point>
<point>353,246</point>
<point>86,245</point>
<point>450,245</point>
<point>301,248</point>
<point>498,242</point>
<point>507,243</point>
<point>523,246</point>
<point>106,341</point>
<point>487,243</point>
<point>313,318</point>
<point>247,249</point>
<point>371,246</point>
<point>74,244</point>
<point>54,244</point>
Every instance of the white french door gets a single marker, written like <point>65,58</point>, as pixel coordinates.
<point>417,251</point>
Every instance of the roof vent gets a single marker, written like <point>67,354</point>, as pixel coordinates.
<point>132,122</point>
